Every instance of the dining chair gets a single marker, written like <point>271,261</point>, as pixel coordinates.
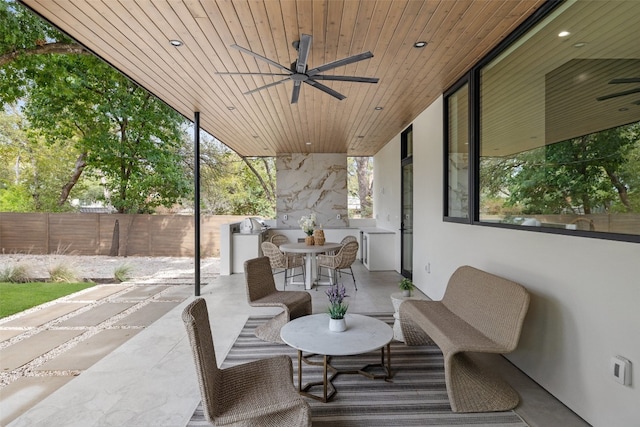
<point>262,292</point>
<point>338,263</point>
<point>258,393</point>
<point>286,262</point>
<point>278,239</point>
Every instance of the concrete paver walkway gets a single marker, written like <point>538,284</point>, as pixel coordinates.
<point>43,348</point>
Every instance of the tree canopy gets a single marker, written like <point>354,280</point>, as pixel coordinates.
<point>599,172</point>
<point>117,130</point>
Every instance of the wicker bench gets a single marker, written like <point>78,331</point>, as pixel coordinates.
<point>479,313</point>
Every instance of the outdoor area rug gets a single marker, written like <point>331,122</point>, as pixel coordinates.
<point>415,396</point>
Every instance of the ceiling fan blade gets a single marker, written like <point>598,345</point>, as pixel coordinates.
<point>303,53</point>
<point>625,80</point>
<point>325,89</point>
<point>340,63</point>
<point>296,92</point>
<point>617,94</point>
<point>347,78</point>
<point>253,74</point>
<point>255,55</point>
<point>267,86</point>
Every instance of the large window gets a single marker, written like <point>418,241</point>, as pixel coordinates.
<point>558,138</point>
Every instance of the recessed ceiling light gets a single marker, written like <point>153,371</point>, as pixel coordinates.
<point>255,136</point>
<point>580,44</point>
<point>231,108</point>
<point>378,108</point>
<point>563,33</point>
<point>360,136</point>
<point>175,42</point>
<point>307,143</point>
<point>419,44</point>
<point>623,109</point>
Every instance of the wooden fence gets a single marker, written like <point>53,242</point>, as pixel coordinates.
<point>110,234</point>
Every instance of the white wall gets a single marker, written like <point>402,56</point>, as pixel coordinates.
<point>585,303</point>
<point>386,193</point>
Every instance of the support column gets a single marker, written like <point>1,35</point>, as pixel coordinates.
<point>196,199</point>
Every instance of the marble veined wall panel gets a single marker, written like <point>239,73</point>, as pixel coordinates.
<point>312,183</point>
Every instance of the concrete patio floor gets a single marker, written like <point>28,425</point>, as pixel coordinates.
<point>134,366</point>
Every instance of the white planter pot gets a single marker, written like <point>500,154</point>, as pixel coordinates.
<point>337,325</point>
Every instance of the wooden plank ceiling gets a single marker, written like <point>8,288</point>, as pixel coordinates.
<point>134,35</point>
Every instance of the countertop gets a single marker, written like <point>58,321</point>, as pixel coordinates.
<point>376,230</point>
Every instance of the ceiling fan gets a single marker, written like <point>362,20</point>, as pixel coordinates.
<point>299,71</point>
<point>624,92</point>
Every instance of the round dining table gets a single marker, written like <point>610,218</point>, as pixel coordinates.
<point>310,252</point>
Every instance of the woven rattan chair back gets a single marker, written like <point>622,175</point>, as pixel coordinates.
<point>258,278</point>
<point>196,321</point>
<point>347,255</point>
<point>342,260</point>
<point>348,239</point>
<point>276,258</point>
<point>278,239</point>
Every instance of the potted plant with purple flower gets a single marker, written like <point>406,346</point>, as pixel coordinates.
<point>337,307</point>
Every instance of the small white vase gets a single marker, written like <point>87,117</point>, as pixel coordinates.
<point>406,292</point>
<point>337,325</point>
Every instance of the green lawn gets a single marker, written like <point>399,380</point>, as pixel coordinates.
<point>17,297</point>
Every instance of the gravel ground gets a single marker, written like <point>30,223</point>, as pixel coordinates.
<point>103,267</point>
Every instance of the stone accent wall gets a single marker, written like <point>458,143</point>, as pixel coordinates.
<point>309,183</point>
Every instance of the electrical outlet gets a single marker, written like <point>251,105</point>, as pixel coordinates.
<point>286,217</point>
<point>427,268</point>
<point>339,216</point>
<point>621,370</point>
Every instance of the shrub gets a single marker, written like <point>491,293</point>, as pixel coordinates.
<point>122,273</point>
<point>18,273</point>
<point>62,274</point>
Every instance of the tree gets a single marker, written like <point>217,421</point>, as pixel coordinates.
<point>120,132</point>
<point>31,177</point>
<point>360,183</point>
<point>595,172</point>
<point>234,185</point>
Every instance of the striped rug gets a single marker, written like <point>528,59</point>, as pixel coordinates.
<point>416,395</point>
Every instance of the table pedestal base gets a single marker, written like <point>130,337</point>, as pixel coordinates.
<point>328,389</point>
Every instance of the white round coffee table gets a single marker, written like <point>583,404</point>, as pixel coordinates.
<point>311,334</point>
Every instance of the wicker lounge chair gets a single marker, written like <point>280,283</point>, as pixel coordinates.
<point>259,393</point>
<point>262,292</point>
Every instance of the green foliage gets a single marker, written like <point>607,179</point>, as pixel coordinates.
<point>17,297</point>
<point>599,172</point>
<point>35,172</point>
<point>18,273</point>
<point>98,122</point>
<point>232,185</point>
<point>62,274</point>
<point>406,284</point>
<point>360,185</point>
<point>122,273</point>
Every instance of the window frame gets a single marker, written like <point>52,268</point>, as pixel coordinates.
<point>472,78</point>
<point>465,80</point>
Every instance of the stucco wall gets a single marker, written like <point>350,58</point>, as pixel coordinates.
<point>585,304</point>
